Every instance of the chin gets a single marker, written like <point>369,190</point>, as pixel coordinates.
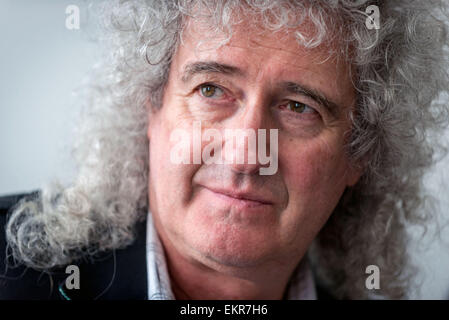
<point>231,245</point>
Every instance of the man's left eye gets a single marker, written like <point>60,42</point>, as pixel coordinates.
<point>210,91</point>
<point>299,107</point>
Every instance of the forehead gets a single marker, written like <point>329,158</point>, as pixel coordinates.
<point>250,33</point>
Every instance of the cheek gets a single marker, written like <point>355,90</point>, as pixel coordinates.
<point>159,151</point>
<point>170,182</point>
<point>314,172</point>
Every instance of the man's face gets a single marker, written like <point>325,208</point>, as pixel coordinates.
<point>208,212</point>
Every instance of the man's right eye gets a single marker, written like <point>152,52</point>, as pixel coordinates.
<point>211,91</point>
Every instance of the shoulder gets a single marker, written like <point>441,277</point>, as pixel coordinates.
<point>19,282</point>
<point>7,205</point>
<point>7,202</point>
<point>116,274</point>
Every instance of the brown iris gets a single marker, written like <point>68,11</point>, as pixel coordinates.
<point>296,106</point>
<point>208,90</point>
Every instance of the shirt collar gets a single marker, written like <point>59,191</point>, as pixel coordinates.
<point>158,279</point>
<point>301,285</point>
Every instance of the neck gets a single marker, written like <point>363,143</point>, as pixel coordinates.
<point>193,281</point>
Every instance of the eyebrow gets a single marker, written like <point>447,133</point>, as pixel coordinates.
<point>205,67</point>
<point>208,67</point>
<point>295,88</point>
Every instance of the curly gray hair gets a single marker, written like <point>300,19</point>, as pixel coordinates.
<point>400,74</point>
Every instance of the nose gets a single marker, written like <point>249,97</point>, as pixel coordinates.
<point>244,137</point>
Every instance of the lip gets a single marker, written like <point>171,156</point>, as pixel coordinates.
<point>247,197</point>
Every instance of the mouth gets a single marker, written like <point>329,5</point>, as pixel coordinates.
<point>248,198</point>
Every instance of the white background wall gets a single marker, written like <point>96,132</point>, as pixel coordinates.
<point>42,62</point>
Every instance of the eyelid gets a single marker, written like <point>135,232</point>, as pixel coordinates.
<point>218,80</point>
